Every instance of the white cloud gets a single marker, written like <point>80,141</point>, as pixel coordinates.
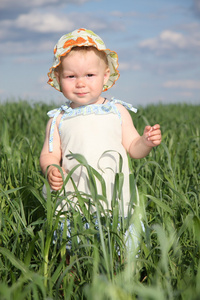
<point>7,4</point>
<point>43,22</point>
<point>121,14</point>
<point>183,84</point>
<point>26,47</point>
<point>166,40</point>
<point>127,66</point>
<point>36,21</point>
<point>171,41</point>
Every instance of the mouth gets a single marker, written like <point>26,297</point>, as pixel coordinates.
<point>81,94</point>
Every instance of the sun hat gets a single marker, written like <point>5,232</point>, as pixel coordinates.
<point>83,37</point>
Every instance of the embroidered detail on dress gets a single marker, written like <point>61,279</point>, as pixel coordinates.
<point>98,109</point>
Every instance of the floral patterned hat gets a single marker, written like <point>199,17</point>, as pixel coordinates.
<point>83,37</point>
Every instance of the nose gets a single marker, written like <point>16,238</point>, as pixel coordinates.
<point>80,82</point>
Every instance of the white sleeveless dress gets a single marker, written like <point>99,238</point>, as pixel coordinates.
<point>94,131</point>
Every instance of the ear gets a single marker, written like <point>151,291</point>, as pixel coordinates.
<point>106,75</point>
<point>57,75</point>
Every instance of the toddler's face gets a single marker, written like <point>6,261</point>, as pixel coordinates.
<point>82,75</point>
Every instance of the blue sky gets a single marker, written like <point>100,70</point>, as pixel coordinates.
<point>158,43</point>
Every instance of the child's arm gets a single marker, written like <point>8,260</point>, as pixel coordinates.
<point>48,158</point>
<point>138,146</point>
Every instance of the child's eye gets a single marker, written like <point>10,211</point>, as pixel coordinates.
<point>90,75</point>
<point>70,76</point>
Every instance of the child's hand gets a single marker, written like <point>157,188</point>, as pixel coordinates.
<point>152,135</point>
<point>55,178</point>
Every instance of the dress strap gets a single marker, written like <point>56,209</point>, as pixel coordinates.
<point>54,114</point>
<point>125,104</point>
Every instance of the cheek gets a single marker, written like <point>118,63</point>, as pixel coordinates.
<point>65,85</point>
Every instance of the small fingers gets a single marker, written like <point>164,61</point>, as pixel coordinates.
<point>56,173</point>
<point>55,179</point>
<point>157,126</point>
<point>154,135</point>
<point>58,180</point>
<point>155,138</point>
<point>155,131</point>
<point>147,130</point>
<point>55,185</point>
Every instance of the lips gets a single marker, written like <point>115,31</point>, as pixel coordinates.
<point>81,94</point>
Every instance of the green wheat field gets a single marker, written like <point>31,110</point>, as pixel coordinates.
<point>165,194</point>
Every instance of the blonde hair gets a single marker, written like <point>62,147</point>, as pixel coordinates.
<point>99,53</point>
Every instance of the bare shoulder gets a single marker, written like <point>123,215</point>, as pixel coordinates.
<point>125,115</point>
<point>121,107</point>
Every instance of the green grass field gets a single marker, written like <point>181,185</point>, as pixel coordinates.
<point>165,192</point>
